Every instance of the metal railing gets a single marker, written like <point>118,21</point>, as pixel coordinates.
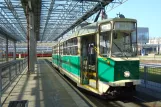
<point>150,76</point>
<point>9,71</point>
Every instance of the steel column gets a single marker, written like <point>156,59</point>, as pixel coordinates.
<point>14,53</point>
<point>27,17</point>
<point>6,49</point>
<point>31,42</point>
<point>0,86</point>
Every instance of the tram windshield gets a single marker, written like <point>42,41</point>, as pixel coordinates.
<point>124,44</point>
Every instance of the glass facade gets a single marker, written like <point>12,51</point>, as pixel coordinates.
<point>3,50</point>
<point>143,35</point>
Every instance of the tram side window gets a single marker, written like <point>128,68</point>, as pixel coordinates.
<point>75,40</point>
<point>75,50</point>
<point>61,49</point>
<point>64,48</point>
<point>68,47</point>
<point>53,50</point>
<point>56,49</point>
<point>105,44</point>
<point>74,47</point>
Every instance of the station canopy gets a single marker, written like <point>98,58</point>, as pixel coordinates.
<point>52,18</point>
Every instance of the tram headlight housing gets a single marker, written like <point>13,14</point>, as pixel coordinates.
<point>127,74</point>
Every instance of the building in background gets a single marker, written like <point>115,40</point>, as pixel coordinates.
<point>142,39</point>
<point>153,46</point>
<point>143,35</point>
<point>147,45</point>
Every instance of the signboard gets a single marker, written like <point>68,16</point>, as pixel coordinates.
<point>124,26</point>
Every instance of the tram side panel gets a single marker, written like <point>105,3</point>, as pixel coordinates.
<point>55,59</point>
<point>110,70</point>
<point>55,56</point>
<point>71,66</point>
<point>106,70</point>
<point>122,68</point>
<point>63,62</point>
<point>68,63</point>
<point>75,65</point>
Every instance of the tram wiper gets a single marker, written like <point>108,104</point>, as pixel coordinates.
<point>120,50</point>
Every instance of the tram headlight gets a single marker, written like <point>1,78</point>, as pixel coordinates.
<point>126,74</point>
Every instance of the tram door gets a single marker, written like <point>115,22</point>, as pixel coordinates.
<point>88,60</point>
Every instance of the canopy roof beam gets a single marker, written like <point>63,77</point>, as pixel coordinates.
<point>85,17</point>
<point>48,17</point>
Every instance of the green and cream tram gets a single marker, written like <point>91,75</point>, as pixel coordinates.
<point>101,57</point>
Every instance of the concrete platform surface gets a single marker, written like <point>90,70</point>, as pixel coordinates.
<point>43,88</point>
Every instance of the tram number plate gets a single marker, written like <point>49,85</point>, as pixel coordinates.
<point>128,84</point>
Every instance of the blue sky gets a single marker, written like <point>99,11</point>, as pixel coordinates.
<point>147,13</point>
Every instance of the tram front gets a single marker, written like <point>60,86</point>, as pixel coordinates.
<point>124,55</point>
<point>122,68</point>
<point>124,51</point>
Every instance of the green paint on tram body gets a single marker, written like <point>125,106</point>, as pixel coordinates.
<point>107,72</point>
<point>115,70</point>
<point>69,63</point>
<point>126,66</point>
<point>55,57</point>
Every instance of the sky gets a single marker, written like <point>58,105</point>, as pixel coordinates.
<point>146,12</point>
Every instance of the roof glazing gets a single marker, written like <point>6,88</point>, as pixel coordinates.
<point>56,16</point>
<point>59,15</point>
<point>13,19</point>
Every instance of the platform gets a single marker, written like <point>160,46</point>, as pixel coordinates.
<point>43,88</point>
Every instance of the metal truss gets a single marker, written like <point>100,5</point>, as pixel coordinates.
<point>57,18</point>
<point>58,15</point>
<point>12,19</point>
<point>109,7</point>
<point>114,4</point>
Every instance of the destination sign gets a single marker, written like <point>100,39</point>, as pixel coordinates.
<point>124,26</point>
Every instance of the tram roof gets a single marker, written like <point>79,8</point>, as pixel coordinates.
<point>93,28</point>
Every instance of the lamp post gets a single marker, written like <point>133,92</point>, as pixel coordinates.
<point>158,45</point>
<point>142,45</point>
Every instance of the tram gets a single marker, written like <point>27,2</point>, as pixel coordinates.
<point>101,57</point>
